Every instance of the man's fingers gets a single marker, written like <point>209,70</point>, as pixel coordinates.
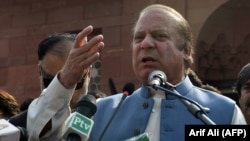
<point>81,37</point>
<point>91,44</point>
<point>96,40</point>
<point>92,55</point>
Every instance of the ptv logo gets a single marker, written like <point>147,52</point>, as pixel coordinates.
<point>81,123</point>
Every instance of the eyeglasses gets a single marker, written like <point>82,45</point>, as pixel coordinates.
<point>46,82</point>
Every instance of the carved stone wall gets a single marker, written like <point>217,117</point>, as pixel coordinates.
<point>223,44</point>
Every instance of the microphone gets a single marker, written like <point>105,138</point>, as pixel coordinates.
<point>128,89</point>
<point>158,80</point>
<point>23,133</point>
<point>8,132</point>
<point>79,125</point>
<point>20,121</point>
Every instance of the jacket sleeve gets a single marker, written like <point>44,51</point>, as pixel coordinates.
<point>52,104</point>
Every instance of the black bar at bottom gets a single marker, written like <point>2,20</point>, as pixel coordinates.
<point>217,132</point>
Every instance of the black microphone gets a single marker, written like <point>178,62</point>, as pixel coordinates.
<point>128,89</point>
<point>20,121</point>
<point>23,133</point>
<point>79,124</point>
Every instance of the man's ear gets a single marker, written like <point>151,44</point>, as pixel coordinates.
<point>187,53</point>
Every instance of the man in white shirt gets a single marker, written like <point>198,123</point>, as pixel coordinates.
<point>72,56</point>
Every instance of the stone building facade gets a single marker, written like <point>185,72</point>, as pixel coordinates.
<point>220,28</point>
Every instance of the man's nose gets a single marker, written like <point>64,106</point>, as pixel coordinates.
<point>147,42</point>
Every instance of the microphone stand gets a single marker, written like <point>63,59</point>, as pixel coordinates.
<point>193,107</point>
<point>113,115</point>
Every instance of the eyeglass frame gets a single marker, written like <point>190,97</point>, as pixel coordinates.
<point>47,81</point>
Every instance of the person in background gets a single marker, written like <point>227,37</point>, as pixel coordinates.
<point>25,104</point>
<point>243,91</point>
<point>20,119</point>
<point>8,105</point>
<point>52,54</point>
<point>194,78</point>
<point>65,67</point>
<point>162,40</point>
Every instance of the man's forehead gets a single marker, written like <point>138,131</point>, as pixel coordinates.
<point>163,13</point>
<point>51,64</point>
<point>161,18</point>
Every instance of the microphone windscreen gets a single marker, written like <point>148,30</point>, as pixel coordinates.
<point>86,105</point>
<point>129,87</point>
<point>157,77</point>
<point>19,119</point>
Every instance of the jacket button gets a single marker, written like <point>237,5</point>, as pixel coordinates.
<point>136,132</point>
<point>168,106</point>
<point>145,105</point>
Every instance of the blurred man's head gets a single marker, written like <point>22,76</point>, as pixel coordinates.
<point>52,54</point>
<point>243,90</point>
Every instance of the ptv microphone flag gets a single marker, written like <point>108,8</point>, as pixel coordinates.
<point>78,124</point>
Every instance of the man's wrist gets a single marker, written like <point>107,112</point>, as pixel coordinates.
<point>64,82</point>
